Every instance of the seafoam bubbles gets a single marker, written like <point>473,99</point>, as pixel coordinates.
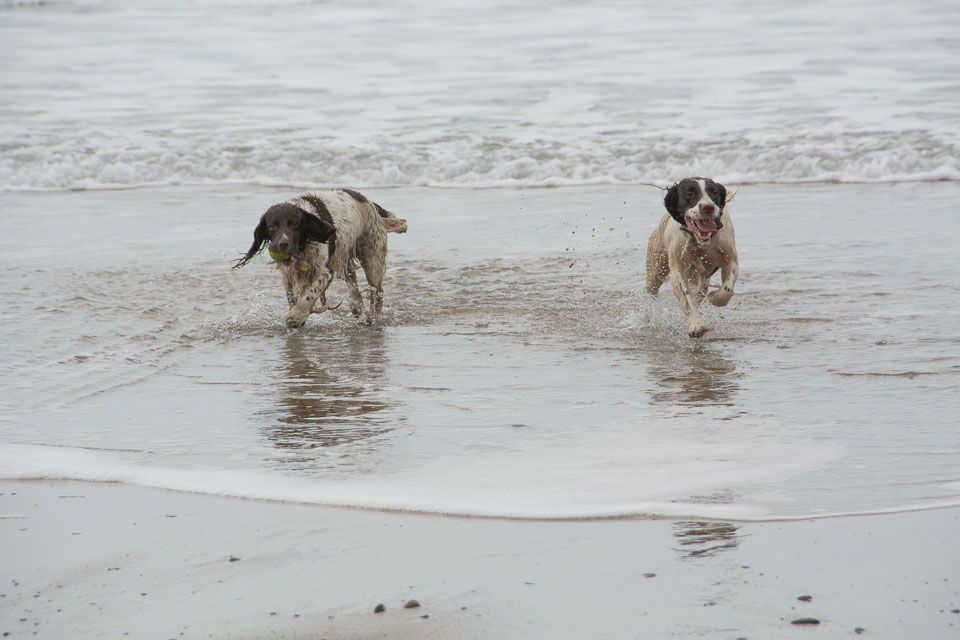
<point>626,473</point>
<point>101,161</point>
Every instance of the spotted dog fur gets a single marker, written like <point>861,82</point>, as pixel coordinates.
<point>693,241</point>
<point>324,233</point>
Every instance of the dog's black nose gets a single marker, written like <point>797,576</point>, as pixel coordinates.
<point>707,209</point>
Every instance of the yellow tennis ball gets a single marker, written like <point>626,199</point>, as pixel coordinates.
<point>279,257</point>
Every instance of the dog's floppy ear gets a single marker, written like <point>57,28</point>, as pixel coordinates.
<point>260,237</point>
<point>671,201</point>
<point>315,229</point>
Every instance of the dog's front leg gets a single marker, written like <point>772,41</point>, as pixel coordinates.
<point>301,310</point>
<point>290,287</point>
<point>722,296</point>
<point>291,295</point>
<point>690,294</point>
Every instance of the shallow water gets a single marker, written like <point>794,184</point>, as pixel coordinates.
<point>520,371</point>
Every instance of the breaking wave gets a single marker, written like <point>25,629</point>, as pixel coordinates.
<point>100,161</point>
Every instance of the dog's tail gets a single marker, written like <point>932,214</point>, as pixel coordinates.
<point>390,221</point>
<point>394,225</point>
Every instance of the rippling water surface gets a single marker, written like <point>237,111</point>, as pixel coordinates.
<point>520,371</point>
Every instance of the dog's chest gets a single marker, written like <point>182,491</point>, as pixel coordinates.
<point>306,270</point>
<point>704,259</point>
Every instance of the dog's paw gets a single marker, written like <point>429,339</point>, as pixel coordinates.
<point>356,307</point>
<point>295,320</point>
<point>697,330</point>
<point>721,296</point>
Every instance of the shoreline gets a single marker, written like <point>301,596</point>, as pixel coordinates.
<point>104,560</point>
<point>639,517</point>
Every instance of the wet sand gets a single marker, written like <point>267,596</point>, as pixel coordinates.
<point>102,560</point>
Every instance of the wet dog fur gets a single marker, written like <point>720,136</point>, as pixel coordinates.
<point>324,232</point>
<point>693,241</point>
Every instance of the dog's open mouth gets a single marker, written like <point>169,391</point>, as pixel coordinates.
<point>702,228</point>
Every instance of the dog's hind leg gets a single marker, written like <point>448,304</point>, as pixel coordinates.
<point>374,274</point>
<point>374,269</point>
<point>372,254</point>
<point>658,268</point>
<point>356,300</point>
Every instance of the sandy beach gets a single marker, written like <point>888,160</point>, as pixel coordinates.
<point>529,445</point>
<point>105,561</point>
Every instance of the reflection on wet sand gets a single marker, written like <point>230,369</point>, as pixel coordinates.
<point>705,539</point>
<point>330,390</point>
<point>694,375</point>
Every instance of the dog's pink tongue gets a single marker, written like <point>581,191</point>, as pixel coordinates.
<point>708,225</point>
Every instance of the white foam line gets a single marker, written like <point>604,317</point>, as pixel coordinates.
<point>292,494</point>
<point>22,462</point>
<point>496,184</point>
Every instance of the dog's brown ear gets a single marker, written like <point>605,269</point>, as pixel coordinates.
<point>260,237</point>
<point>671,201</point>
<point>315,229</point>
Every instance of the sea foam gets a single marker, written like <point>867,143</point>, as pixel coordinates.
<point>477,96</point>
<point>612,481</point>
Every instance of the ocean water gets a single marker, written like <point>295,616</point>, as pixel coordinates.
<point>520,371</point>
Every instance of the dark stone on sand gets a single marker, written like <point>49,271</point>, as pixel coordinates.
<point>411,604</point>
<point>859,630</point>
<point>379,608</point>
<point>649,575</point>
<point>805,621</point>
<point>805,598</point>
<point>954,610</point>
<point>234,559</point>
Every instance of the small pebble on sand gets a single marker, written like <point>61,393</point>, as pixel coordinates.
<point>379,608</point>
<point>805,621</point>
<point>411,604</point>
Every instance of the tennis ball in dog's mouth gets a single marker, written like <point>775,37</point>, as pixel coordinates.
<point>279,257</point>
